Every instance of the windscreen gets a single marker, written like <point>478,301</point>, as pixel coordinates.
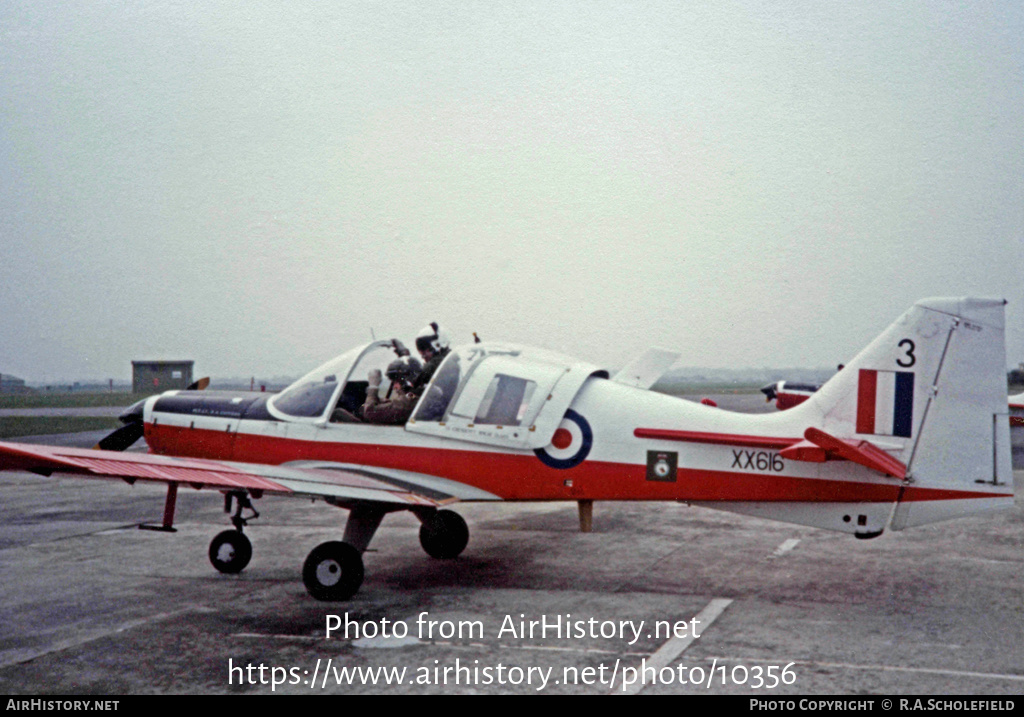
<point>310,395</point>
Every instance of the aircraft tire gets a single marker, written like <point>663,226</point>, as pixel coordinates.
<point>230,551</point>
<point>333,571</point>
<point>444,535</point>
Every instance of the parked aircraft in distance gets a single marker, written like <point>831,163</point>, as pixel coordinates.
<point>787,394</point>
<point>1017,410</point>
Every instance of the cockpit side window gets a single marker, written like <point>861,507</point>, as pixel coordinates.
<point>505,401</point>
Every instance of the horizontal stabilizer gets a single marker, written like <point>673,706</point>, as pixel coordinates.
<point>818,447</point>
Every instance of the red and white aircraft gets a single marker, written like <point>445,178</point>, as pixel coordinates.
<point>787,394</point>
<point>913,430</point>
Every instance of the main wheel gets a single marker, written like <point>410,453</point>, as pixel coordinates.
<point>230,551</point>
<point>333,571</point>
<point>444,534</point>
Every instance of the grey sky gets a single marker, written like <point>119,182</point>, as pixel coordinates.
<point>255,185</point>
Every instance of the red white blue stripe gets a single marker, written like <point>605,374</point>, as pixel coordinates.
<point>885,402</point>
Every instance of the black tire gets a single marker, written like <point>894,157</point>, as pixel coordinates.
<point>444,535</point>
<point>230,551</point>
<point>333,571</point>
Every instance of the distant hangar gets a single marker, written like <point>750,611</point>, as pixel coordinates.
<point>12,384</point>
<point>157,376</point>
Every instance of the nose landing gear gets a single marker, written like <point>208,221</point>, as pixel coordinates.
<point>230,551</point>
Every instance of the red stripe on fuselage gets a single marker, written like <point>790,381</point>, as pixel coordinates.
<point>522,476</point>
<point>720,439</point>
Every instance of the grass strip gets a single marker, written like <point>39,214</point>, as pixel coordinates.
<point>13,426</point>
<point>44,399</point>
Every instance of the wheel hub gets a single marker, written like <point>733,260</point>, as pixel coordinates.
<point>328,573</point>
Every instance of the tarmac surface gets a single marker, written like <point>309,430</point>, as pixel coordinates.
<point>89,604</point>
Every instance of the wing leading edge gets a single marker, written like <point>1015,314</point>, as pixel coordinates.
<point>346,483</point>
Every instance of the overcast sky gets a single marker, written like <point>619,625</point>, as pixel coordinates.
<point>257,185</point>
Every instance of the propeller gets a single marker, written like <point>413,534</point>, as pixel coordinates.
<point>133,429</point>
<point>122,438</point>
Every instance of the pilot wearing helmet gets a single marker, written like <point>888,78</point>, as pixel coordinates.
<point>433,345</point>
<point>401,402</point>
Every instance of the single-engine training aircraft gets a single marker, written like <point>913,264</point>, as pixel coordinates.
<point>913,430</point>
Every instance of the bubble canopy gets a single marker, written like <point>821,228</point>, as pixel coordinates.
<point>311,397</point>
<point>495,393</point>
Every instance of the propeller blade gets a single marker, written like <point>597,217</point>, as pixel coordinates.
<point>134,427</point>
<point>122,438</point>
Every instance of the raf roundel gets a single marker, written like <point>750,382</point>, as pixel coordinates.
<point>571,443</point>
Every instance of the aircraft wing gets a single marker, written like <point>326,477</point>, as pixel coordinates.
<point>339,483</point>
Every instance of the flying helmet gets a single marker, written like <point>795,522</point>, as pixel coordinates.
<point>431,337</point>
<point>403,369</point>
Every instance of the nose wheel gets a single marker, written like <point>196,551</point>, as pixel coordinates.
<point>333,571</point>
<point>231,551</point>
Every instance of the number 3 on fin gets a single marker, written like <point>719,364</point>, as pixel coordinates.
<point>910,358</point>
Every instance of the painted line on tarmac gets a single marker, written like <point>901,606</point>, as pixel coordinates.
<point>546,648</point>
<point>877,668</point>
<point>16,656</point>
<point>784,548</point>
<point>272,636</point>
<point>443,643</point>
<point>674,647</point>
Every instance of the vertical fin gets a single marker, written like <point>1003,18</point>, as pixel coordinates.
<point>931,391</point>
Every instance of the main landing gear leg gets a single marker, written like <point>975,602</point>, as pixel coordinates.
<point>334,570</point>
<point>231,551</point>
